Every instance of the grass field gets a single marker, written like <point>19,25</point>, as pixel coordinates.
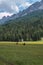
<point>12,54</point>
<point>29,42</point>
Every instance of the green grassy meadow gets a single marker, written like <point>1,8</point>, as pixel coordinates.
<point>29,54</point>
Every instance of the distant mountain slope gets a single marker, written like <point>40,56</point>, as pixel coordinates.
<point>34,7</point>
<point>26,28</point>
<point>4,20</point>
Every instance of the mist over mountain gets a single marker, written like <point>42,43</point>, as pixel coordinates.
<point>35,6</point>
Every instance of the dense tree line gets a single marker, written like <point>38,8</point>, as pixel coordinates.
<point>27,28</point>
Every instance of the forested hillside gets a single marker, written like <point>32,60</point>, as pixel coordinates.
<point>26,28</point>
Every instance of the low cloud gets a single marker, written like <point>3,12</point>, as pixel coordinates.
<point>5,7</point>
<point>13,6</point>
<point>16,8</point>
<point>2,14</point>
<point>24,5</point>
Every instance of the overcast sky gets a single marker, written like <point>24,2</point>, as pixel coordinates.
<point>9,7</point>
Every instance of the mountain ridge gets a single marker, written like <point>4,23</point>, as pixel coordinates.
<point>34,7</point>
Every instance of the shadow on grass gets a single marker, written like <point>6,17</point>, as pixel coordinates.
<point>19,63</point>
<point>10,63</point>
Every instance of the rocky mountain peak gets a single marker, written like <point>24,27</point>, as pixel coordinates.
<point>41,1</point>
